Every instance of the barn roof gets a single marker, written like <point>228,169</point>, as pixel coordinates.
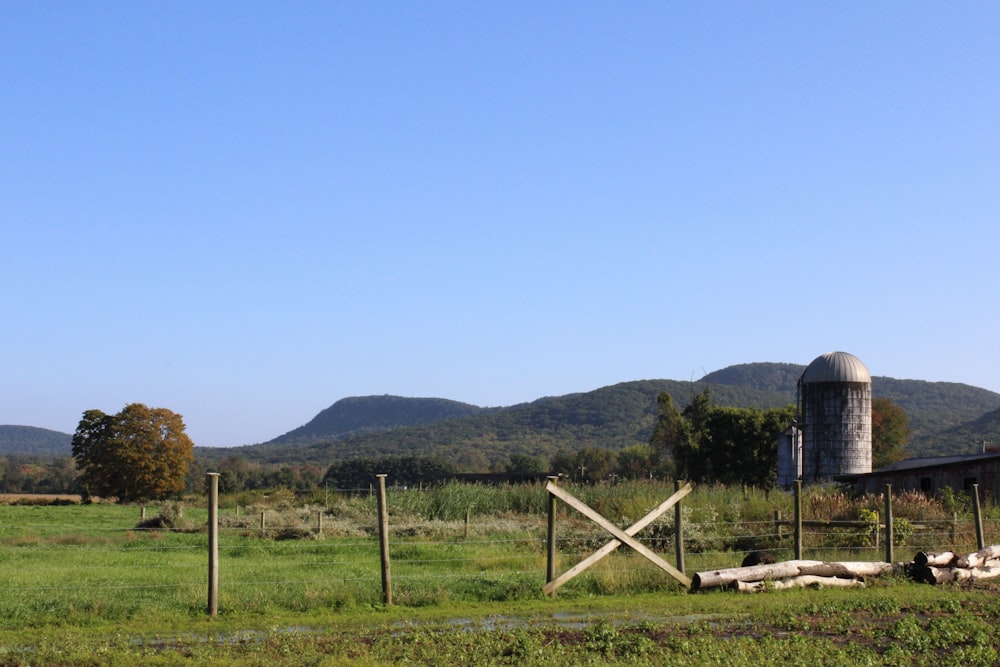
<point>925,463</point>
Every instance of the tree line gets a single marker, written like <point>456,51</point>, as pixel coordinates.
<point>144,453</point>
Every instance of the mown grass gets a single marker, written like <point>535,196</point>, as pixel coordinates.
<point>84,585</point>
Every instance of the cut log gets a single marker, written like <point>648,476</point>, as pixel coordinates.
<point>928,574</point>
<point>977,573</point>
<point>848,570</point>
<point>721,578</point>
<point>978,558</point>
<point>942,559</point>
<point>805,581</point>
<point>786,570</point>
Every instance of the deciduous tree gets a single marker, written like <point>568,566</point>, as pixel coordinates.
<point>140,453</point>
<point>722,444</point>
<point>890,432</point>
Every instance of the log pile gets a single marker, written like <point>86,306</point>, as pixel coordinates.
<point>790,574</point>
<point>927,567</point>
<point>945,566</point>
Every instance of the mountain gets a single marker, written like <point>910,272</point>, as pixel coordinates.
<point>34,441</point>
<point>977,435</point>
<point>366,414</point>
<point>945,417</point>
<point>765,376</point>
<point>611,417</point>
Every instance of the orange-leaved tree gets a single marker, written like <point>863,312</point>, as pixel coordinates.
<point>140,453</point>
<point>890,432</point>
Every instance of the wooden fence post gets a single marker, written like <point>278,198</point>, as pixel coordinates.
<point>262,524</point>
<point>319,523</point>
<point>888,523</point>
<point>550,571</point>
<point>678,531</point>
<point>977,515</point>
<point>798,519</point>
<point>213,544</point>
<point>777,525</point>
<point>383,531</point>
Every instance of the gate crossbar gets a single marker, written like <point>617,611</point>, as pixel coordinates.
<point>621,536</point>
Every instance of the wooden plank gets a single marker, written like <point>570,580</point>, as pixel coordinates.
<point>610,546</point>
<point>621,536</point>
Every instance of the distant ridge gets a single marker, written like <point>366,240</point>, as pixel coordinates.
<point>610,417</point>
<point>366,414</point>
<point>766,376</point>
<point>34,441</point>
<point>946,417</point>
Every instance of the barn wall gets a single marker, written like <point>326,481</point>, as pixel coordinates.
<point>930,480</point>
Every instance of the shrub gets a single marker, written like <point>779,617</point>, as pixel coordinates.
<point>171,517</point>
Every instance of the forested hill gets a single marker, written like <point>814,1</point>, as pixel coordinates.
<point>366,414</point>
<point>946,418</point>
<point>34,441</point>
<point>612,417</point>
<point>765,376</point>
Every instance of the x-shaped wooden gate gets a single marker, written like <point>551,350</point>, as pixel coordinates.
<point>620,536</point>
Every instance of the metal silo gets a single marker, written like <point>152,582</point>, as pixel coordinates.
<point>835,397</point>
<point>790,456</point>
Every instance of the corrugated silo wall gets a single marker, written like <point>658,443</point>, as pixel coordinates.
<point>788,458</point>
<point>837,429</point>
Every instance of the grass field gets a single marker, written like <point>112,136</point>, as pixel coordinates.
<point>85,584</point>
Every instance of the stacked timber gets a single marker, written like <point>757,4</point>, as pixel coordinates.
<point>790,574</point>
<point>938,568</point>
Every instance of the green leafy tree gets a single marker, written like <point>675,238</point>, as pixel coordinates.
<point>140,453</point>
<point>890,433</point>
<point>641,462</point>
<point>670,430</point>
<point>525,463</point>
<point>722,444</point>
<point>588,465</point>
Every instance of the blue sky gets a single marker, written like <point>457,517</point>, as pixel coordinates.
<point>244,212</point>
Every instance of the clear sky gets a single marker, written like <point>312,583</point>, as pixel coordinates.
<point>246,211</point>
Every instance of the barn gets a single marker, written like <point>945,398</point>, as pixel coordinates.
<point>930,474</point>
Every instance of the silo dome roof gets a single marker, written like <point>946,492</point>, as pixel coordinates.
<point>836,367</point>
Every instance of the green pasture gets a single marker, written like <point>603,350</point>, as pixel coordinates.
<point>89,584</point>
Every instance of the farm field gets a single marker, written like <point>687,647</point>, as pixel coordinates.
<point>300,585</point>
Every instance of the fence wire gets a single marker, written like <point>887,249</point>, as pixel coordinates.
<point>37,559</point>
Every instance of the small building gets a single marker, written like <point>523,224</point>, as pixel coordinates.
<point>931,474</point>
